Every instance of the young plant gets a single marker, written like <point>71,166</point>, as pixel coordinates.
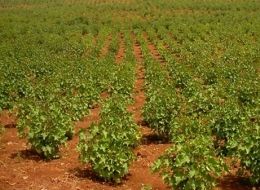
<point>45,127</point>
<point>245,145</point>
<point>226,121</point>
<point>108,146</point>
<point>190,163</point>
<point>159,110</point>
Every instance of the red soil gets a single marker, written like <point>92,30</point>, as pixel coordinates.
<point>121,52</point>
<point>7,119</point>
<point>156,55</point>
<point>104,50</point>
<point>149,150</point>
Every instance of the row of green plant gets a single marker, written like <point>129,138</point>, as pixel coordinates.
<point>107,146</point>
<point>165,113</point>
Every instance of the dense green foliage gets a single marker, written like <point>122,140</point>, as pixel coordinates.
<point>191,163</point>
<point>108,145</point>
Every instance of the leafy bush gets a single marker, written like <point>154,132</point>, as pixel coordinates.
<point>226,121</point>
<point>191,162</point>
<point>45,127</point>
<point>245,145</point>
<point>200,104</point>
<point>159,110</point>
<point>108,146</point>
<point>210,77</point>
<point>123,80</point>
<point>248,95</point>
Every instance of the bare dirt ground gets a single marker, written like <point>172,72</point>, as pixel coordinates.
<point>121,52</point>
<point>153,50</point>
<point>150,149</point>
<point>104,50</point>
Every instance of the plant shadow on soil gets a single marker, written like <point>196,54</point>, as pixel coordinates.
<point>28,154</point>
<point>88,174</point>
<point>149,137</point>
<point>10,125</point>
<point>236,183</point>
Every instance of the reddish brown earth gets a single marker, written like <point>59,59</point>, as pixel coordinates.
<point>104,50</point>
<point>150,149</point>
<point>121,52</point>
<point>139,95</point>
<point>7,119</point>
<point>156,55</point>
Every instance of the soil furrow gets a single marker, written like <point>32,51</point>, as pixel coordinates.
<point>155,53</point>
<point>139,95</point>
<point>105,48</point>
<point>7,119</point>
<point>121,52</point>
<point>140,173</point>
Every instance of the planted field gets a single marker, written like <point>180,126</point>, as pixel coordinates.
<point>109,94</point>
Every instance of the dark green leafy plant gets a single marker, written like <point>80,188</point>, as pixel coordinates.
<point>191,162</point>
<point>159,110</point>
<point>108,146</point>
<point>226,122</point>
<point>123,79</point>
<point>245,145</point>
<point>45,127</point>
<point>248,95</point>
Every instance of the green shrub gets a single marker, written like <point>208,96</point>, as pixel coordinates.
<point>226,122</point>
<point>108,146</point>
<point>159,109</point>
<point>245,145</point>
<point>191,162</point>
<point>45,127</point>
